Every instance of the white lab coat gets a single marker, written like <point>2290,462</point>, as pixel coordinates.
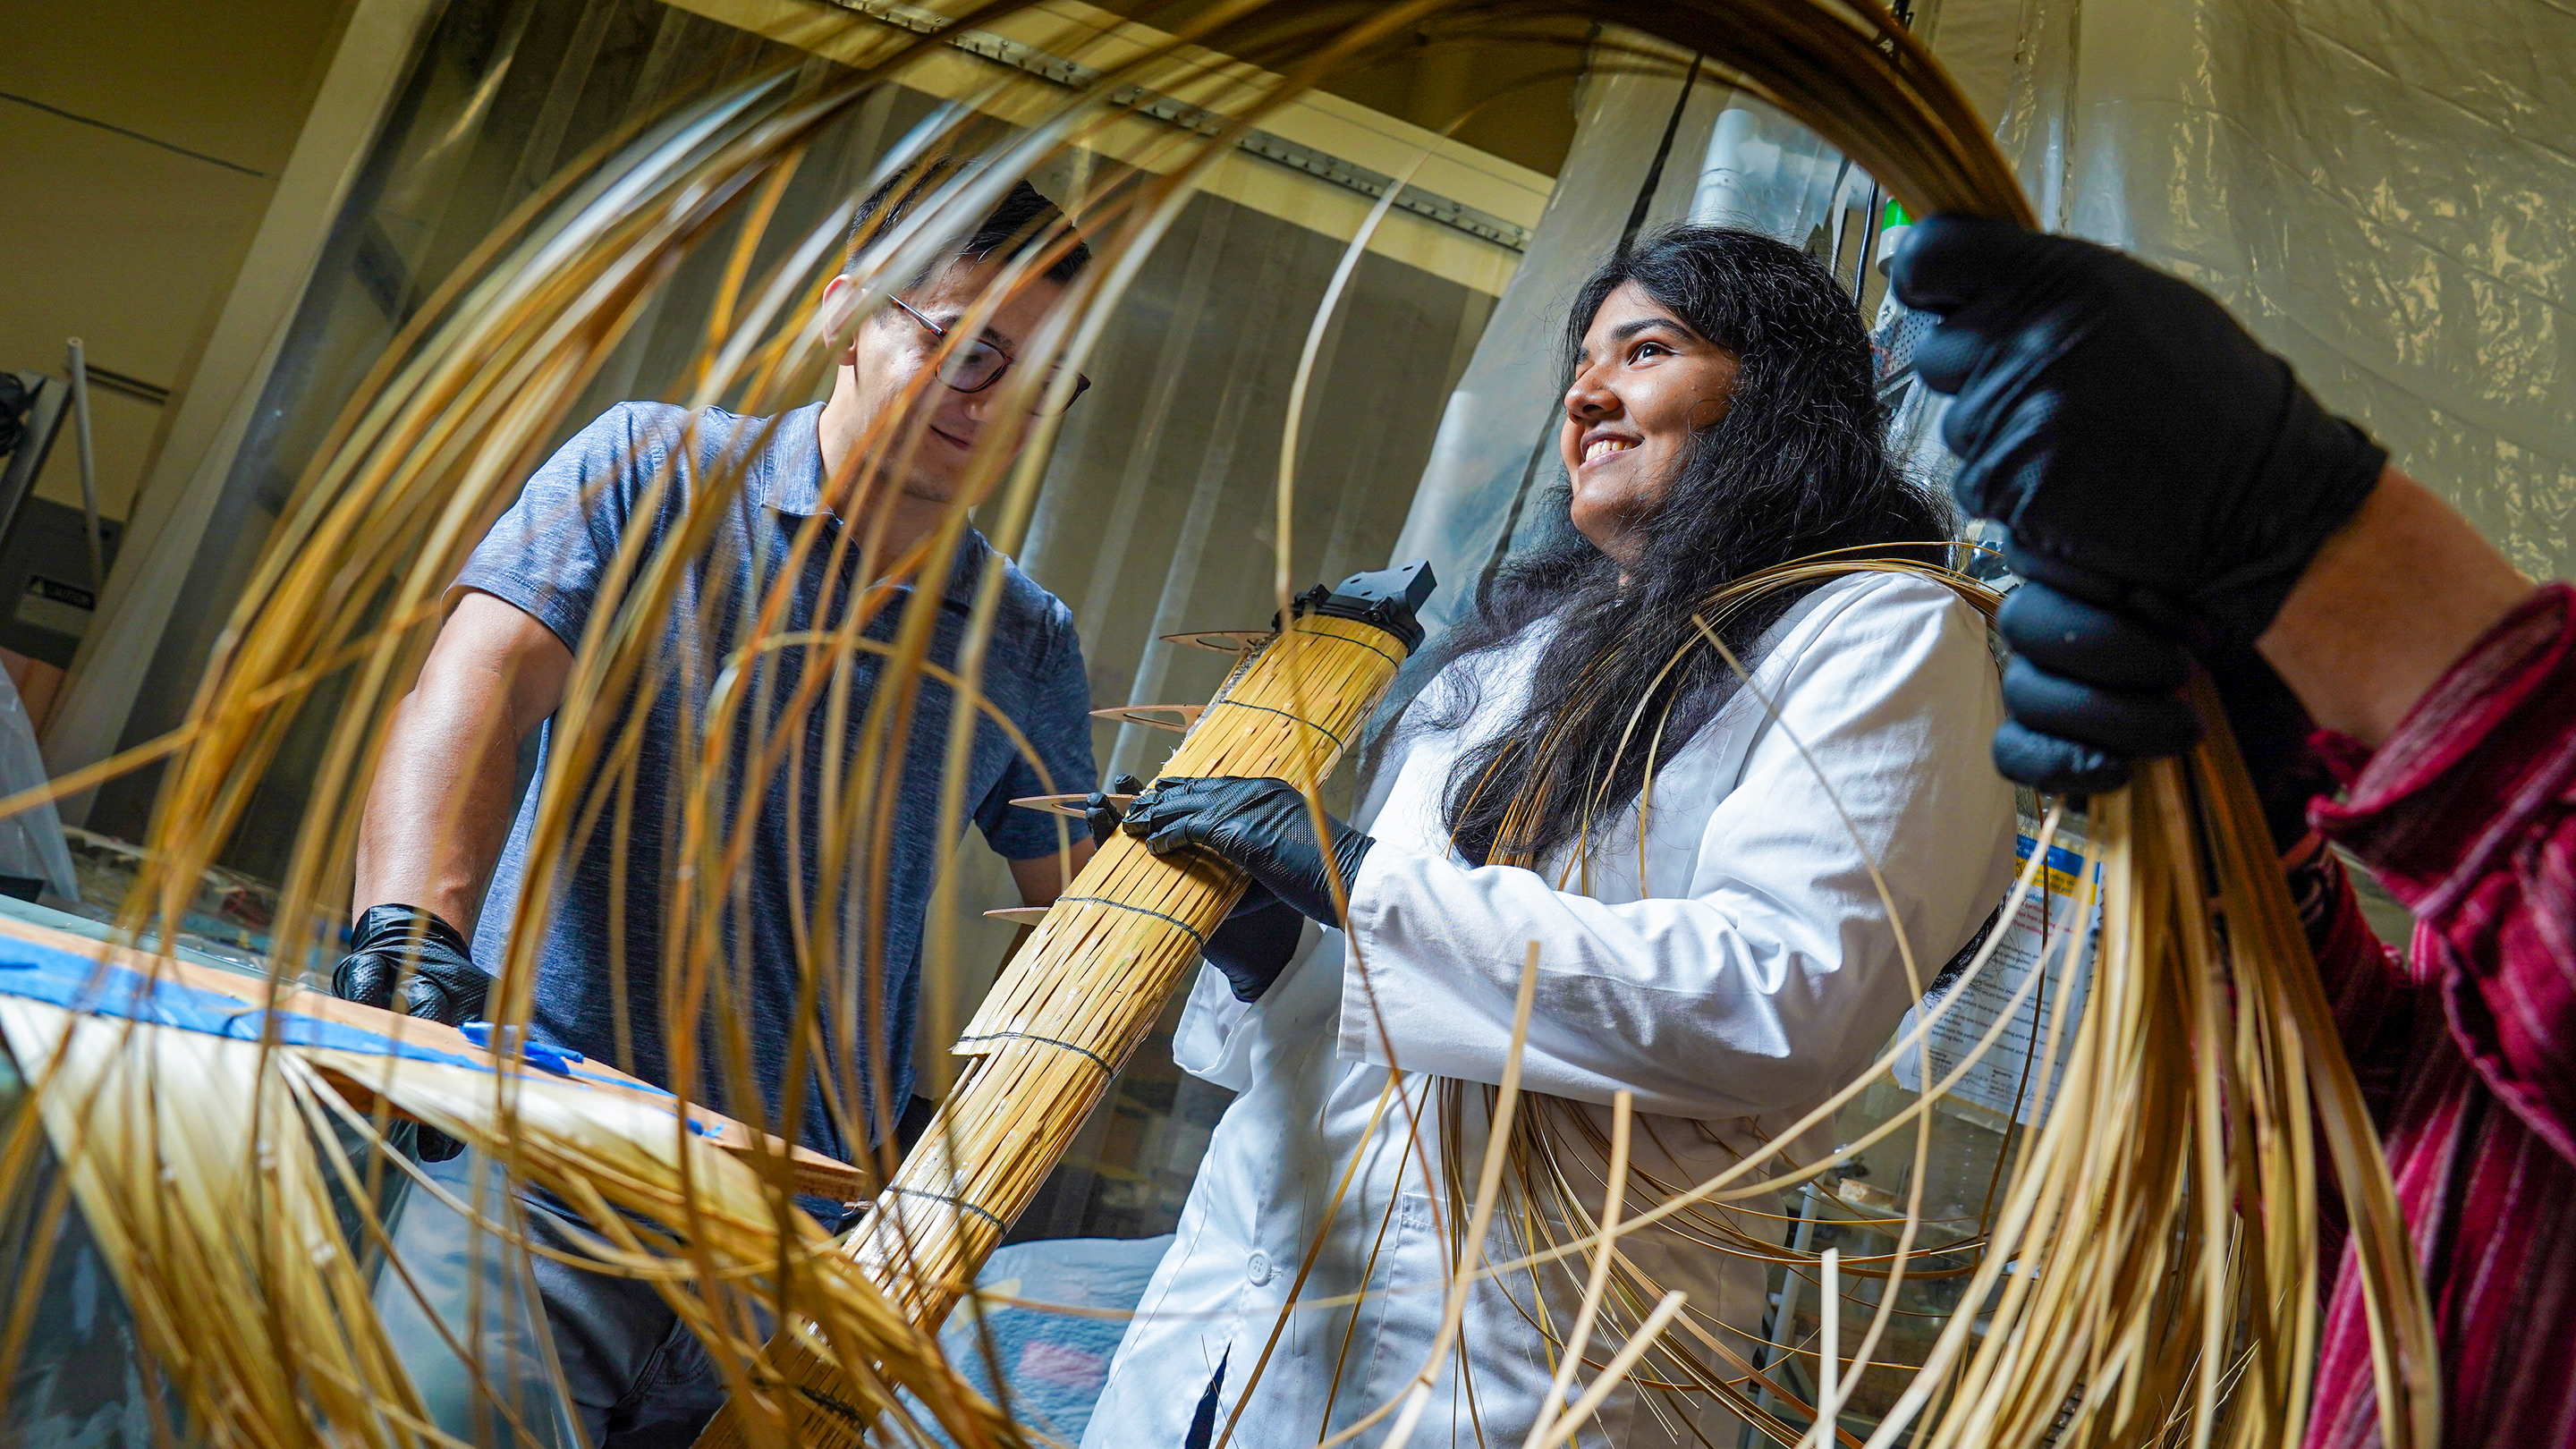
<point>1748,974</point>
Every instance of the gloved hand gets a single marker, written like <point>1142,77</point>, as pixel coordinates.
<point>2087,692</point>
<point>1102,814</point>
<point>2143,450</point>
<point>1259,935</point>
<point>2091,692</point>
<point>392,942</point>
<point>1259,826</point>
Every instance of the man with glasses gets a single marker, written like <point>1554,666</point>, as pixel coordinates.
<point>831,499</point>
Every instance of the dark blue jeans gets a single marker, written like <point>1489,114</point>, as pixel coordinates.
<point>639,1379</point>
<point>635,1378</point>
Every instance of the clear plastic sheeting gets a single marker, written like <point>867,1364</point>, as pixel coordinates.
<point>79,1381</point>
<point>1050,1320</point>
<point>1495,454</point>
<point>1765,172</point>
<point>2384,190</point>
<point>456,1285</point>
<point>31,840</point>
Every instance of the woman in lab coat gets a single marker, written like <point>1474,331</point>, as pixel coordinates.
<point>1722,953</point>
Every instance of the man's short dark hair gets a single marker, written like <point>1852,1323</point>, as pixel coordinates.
<point>1022,221</point>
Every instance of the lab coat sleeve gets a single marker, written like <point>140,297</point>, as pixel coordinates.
<point>1776,974</point>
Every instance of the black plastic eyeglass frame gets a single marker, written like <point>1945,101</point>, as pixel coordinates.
<point>1081,381</point>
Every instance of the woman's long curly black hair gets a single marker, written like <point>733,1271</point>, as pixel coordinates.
<point>1797,466</point>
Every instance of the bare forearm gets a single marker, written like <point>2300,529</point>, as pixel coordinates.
<point>1043,878</point>
<point>439,810</point>
<point>440,807</point>
<point>2390,602</point>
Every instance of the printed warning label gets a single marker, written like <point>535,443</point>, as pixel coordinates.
<point>2032,978</point>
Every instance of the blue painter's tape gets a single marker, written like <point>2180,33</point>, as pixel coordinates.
<point>555,1059</point>
<point>81,983</point>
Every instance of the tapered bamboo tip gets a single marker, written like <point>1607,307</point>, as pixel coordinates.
<point>1222,641</point>
<point>1174,717</point>
<point>1069,805</point>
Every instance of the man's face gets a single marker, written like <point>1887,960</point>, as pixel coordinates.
<point>900,408</point>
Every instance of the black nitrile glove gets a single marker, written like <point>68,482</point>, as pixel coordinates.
<point>2091,692</point>
<point>1259,935</point>
<point>1260,827</point>
<point>2144,451</point>
<point>1254,946</point>
<point>393,943</point>
<point>406,944</point>
<point>2088,691</point>
<point>1101,813</point>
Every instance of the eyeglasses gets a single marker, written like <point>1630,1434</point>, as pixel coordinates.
<point>974,366</point>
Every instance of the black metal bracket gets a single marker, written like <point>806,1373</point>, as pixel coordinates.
<point>1388,598</point>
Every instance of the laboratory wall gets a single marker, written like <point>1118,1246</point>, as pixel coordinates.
<point>2384,190</point>
<point>140,145</point>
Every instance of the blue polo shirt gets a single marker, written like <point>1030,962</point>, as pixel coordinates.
<point>611,977</point>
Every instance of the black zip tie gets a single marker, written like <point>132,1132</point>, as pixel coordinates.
<point>1095,1057</point>
<point>1140,910</point>
<point>955,1202</point>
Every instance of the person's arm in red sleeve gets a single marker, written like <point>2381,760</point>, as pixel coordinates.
<point>2453,684</point>
<point>2466,811</point>
<point>2171,490</point>
<point>2365,983</point>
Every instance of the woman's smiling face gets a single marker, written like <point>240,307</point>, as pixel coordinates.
<point>1644,384</point>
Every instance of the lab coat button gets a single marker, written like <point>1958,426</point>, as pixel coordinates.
<point>1257,1268</point>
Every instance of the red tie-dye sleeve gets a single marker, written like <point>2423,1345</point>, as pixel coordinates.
<point>2468,815</point>
<point>2374,1003</point>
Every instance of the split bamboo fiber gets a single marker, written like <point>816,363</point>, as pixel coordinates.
<point>1083,991</point>
<point>2151,1273</point>
<point>190,1165</point>
<point>205,1129</point>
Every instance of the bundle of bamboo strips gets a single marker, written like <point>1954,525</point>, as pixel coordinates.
<point>1086,986</point>
<point>699,1225</point>
<point>203,1192</point>
<point>204,1123</point>
<point>2152,1272</point>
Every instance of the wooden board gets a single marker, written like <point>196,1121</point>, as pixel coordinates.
<point>815,1173</point>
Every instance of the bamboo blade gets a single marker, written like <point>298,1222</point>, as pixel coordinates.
<point>1221,641</point>
<point>1072,807</point>
<point>1176,718</point>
